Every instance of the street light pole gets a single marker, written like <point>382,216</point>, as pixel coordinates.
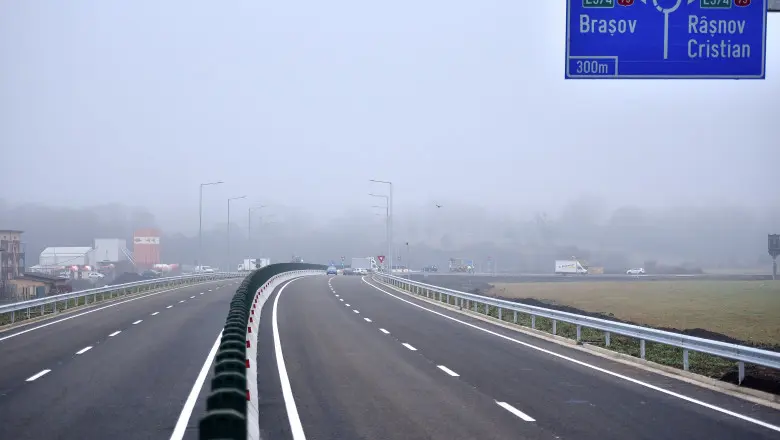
<point>228,229</point>
<point>389,221</point>
<point>200,221</point>
<point>249,222</point>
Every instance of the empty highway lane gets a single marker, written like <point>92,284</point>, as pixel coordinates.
<point>122,372</point>
<point>363,361</point>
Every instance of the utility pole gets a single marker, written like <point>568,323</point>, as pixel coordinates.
<point>199,263</point>
<point>228,230</point>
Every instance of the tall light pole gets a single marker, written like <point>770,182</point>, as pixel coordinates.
<point>228,228</point>
<point>200,220</point>
<point>389,220</point>
<point>387,224</point>
<point>249,221</point>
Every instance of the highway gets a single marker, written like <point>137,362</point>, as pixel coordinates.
<point>365,362</point>
<point>120,370</point>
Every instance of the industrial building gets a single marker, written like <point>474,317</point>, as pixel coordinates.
<point>66,256</point>
<point>12,260</point>
<point>111,249</point>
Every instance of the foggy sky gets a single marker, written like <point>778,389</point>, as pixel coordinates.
<point>299,103</point>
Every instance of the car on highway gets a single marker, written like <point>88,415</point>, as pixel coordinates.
<point>332,270</point>
<point>640,271</point>
<point>360,271</point>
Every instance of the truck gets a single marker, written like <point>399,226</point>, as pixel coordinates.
<point>363,265</point>
<point>248,265</point>
<point>262,262</point>
<point>564,267</point>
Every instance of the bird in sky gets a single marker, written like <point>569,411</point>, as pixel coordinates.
<point>437,205</point>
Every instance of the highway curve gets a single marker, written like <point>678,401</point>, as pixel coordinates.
<point>365,363</point>
<point>121,371</point>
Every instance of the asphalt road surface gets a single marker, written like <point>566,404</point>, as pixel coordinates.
<point>364,363</point>
<point>121,371</point>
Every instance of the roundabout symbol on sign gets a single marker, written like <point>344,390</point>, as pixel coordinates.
<point>666,12</point>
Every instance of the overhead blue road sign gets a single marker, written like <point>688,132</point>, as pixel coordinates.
<point>658,39</point>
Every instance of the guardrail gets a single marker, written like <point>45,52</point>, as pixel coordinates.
<point>232,406</point>
<point>478,303</point>
<point>19,311</point>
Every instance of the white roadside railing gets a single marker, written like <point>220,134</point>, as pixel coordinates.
<point>22,310</point>
<point>740,353</point>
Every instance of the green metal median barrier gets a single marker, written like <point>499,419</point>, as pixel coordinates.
<point>227,412</point>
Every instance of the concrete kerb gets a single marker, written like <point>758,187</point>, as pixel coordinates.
<point>261,296</point>
<point>748,394</point>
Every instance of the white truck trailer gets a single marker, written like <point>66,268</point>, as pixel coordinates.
<point>565,267</point>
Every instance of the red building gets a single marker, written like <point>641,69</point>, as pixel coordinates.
<point>146,247</point>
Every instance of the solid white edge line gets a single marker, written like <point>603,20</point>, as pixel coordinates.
<point>37,375</point>
<point>593,367</point>
<point>90,311</point>
<point>115,333</point>
<point>84,350</point>
<point>515,411</point>
<point>409,346</point>
<point>448,371</point>
<point>192,398</point>
<point>384,331</point>
<point>138,322</point>
<point>289,401</point>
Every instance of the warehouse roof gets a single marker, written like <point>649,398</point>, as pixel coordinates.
<point>66,251</point>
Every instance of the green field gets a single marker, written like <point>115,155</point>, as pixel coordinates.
<point>746,310</point>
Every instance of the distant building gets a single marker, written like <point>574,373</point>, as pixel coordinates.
<point>36,285</point>
<point>12,260</point>
<point>111,249</point>
<point>66,256</point>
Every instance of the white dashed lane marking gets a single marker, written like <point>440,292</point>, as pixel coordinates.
<point>409,346</point>
<point>115,333</point>
<point>138,322</point>
<point>84,350</point>
<point>367,320</point>
<point>448,371</point>
<point>515,411</point>
<point>169,307</point>
<point>384,331</point>
<point>155,313</point>
<point>37,375</point>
